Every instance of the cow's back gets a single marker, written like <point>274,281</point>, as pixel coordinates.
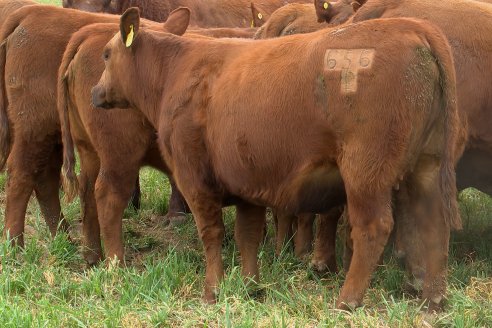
<point>9,6</point>
<point>320,100</point>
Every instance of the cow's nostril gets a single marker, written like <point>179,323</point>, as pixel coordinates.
<point>98,96</point>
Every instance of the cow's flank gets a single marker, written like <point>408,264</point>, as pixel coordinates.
<point>225,137</point>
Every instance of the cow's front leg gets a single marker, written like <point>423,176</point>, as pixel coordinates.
<point>250,223</point>
<point>208,218</point>
<point>324,257</point>
<point>371,221</point>
<point>303,237</point>
<point>283,229</point>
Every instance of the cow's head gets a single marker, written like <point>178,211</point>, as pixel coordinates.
<point>336,12</point>
<point>94,6</point>
<point>294,18</point>
<point>120,55</point>
<point>258,17</point>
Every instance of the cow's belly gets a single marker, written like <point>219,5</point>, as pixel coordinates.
<point>287,169</point>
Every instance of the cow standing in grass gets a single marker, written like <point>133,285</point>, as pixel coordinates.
<point>31,50</point>
<point>471,43</point>
<point>328,118</point>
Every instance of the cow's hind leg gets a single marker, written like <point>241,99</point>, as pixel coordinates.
<point>432,228</point>
<point>303,236</point>
<point>176,213</point>
<point>21,169</point>
<point>136,195</point>
<point>250,222</point>
<point>371,220</point>
<point>324,257</point>
<point>408,247</point>
<point>47,188</point>
<point>89,169</point>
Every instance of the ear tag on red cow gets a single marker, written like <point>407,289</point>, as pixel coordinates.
<point>129,38</point>
<point>252,23</point>
<point>260,16</point>
<point>326,5</point>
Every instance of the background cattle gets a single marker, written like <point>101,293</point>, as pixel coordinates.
<point>29,59</point>
<point>293,18</point>
<point>9,6</point>
<point>209,101</point>
<point>111,146</point>
<point>116,143</point>
<point>205,13</point>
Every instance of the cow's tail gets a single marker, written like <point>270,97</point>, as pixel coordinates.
<point>69,177</point>
<point>4,119</point>
<point>454,128</point>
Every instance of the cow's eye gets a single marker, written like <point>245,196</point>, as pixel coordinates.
<point>106,54</point>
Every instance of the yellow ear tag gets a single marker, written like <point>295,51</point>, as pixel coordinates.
<point>129,38</point>
<point>326,5</point>
<point>260,16</point>
<point>252,23</point>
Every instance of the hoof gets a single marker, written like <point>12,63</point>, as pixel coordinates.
<point>302,253</point>
<point>176,219</point>
<point>323,267</point>
<point>91,258</point>
<point>209,297</point>
<point>348,306</point>
<point>413,286</point>
<point>435,305</point>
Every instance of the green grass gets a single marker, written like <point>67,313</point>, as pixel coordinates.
<point>47,283</point>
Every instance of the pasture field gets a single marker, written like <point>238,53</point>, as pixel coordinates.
<point>48,285</point>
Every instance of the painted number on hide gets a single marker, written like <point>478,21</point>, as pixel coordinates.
<point>349,62</point>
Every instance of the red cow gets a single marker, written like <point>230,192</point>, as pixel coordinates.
<point>31,136</point>
<point>471,43</point>
<point>230,133</point>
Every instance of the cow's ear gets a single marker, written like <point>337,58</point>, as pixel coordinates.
<point>324,10</point>
<point>129,25</point>
<point>258,18</point>
<point>106,4</point>
<point>178,21</point>
<point>67,3</point>
<point>356,5</point>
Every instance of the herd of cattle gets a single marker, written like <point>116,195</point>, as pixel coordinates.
<point>379,107</point>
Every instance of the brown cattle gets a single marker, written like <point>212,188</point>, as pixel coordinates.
<point>225,32</point>
<point>229,132</point>
<point>471,43</point>
<point>293,18</point>
<point>9,6</point>
<point>130,143</point>
<point>260,16</point>
<point>156,10</point>
<point>205,13</point>
<point>6,8</point>
<point>28,89</point>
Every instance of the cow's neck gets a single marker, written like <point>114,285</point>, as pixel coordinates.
<point>153,61</point>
